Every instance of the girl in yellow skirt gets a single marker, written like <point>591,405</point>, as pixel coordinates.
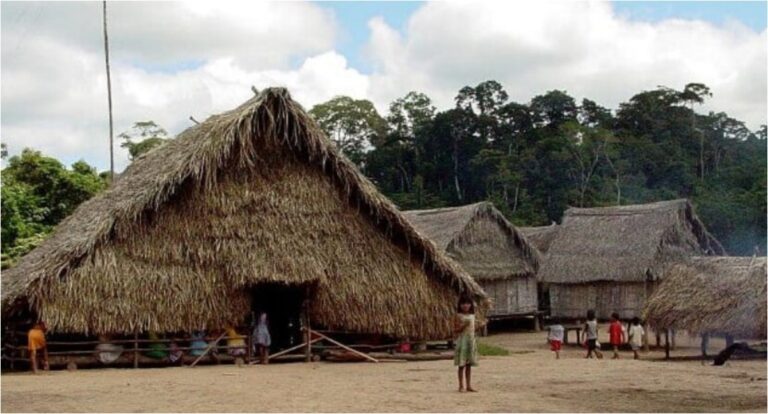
<point>465,356</point>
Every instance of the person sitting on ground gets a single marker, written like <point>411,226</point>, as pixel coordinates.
<point>36,345</point>
<point>636,333</point>
<point>262,338</point>
<point>555,337</point>
<point>616,333</point>
<point>235,342</point>
<point>590,335</point>
<point>107,352</point>
<point>197,343</point>
<point>157,350</point>
<point>175,353</point>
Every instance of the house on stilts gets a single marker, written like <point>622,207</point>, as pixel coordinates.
<point>611,259</point>
<point>490,249</point>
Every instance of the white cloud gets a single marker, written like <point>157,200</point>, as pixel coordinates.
<point>582,47</point>
<point>173,60</point>
<point>54,85</point>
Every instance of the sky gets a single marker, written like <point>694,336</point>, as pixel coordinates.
<point>174,60</point>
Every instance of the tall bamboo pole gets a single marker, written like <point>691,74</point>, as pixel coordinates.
<point>109,96</point>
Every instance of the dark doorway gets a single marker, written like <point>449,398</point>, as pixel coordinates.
<point>282,303</point>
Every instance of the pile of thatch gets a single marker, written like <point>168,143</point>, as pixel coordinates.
<point>628,243</point>
<point>541,237</point>
<point>480,238</point>
<point>257,194</point>
<point>724,295</point>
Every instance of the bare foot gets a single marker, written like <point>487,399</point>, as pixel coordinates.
<point>461,389</point>
<point>471,389</point>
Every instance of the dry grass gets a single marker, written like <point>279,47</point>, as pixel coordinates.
<point>257,194</point>
<point>725,295</point>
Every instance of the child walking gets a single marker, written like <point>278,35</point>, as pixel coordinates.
<point>617,334</point>
<point>590,333</point>
<point>465,356</point>
<point>555,337</point>
<point>636,333</point>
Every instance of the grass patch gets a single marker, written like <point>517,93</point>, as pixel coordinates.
<point>490,350</point>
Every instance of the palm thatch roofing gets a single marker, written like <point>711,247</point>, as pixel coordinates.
<point>480,238</point>
<point>626,244</point>
<point>541,236</point>
<point>725,295</point>
<point>254,195</point>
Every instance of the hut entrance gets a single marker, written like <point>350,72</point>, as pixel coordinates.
<point>282,303</point>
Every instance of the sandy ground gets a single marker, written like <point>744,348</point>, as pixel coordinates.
<point>529,379</point>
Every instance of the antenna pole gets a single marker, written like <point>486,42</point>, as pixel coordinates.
<point>109,97</point>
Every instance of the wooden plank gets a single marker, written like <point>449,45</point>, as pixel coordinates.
<point>347,348</point>
<point>301,345</point>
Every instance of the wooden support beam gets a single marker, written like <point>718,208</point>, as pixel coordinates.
<point>339,344</point>
<point>291,349</point>
<point>136,348</point>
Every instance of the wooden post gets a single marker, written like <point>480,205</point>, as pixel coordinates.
<point>249,349</point>
<point>666,343</point>
<point>136,348</point>
<point>307,334</point>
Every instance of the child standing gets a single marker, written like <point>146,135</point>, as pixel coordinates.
<point>590,333</point>
<point>465,356</point>
<point>617,334</point>
<point>636,333</point>
<point>262,339</point>
<point>36,344</point>
<point>555,337</point>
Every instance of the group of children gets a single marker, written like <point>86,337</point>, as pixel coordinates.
<point>617,335</point>
<point>200,344</point>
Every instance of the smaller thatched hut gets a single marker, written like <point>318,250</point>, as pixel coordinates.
<point>541,237</point>
<point>490,249</point>
<point>712,295</point>
<point>609,259</point>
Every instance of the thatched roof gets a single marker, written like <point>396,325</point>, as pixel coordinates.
<point>480,238</point>
<point>541,237</point>
<point>725,295</point>
<point>256,194</point>
<point>626,243</point>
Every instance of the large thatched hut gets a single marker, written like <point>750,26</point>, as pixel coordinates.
<point>609,259</point>
<point>252,205</point>
<point>490,249</point>
<point>712,295</point>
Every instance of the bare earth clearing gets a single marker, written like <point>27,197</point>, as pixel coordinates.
<point>530,379</point>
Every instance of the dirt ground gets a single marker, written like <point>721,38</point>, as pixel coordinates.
<point>529,379</point>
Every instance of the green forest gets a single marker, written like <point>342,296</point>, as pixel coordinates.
<point>532,160</point>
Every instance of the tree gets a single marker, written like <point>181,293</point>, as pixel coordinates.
<point>37,193</point>
<point>695,93</point>
<point>142,138</point>
<point>352,124</point>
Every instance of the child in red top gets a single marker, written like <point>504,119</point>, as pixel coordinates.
<point>616,332</point>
